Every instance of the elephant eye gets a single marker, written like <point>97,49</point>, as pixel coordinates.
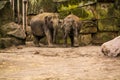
<point>51,22</point>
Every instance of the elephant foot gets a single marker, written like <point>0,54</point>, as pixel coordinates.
<point>37,45</point>
<point>51,45</point>
<point>72,45</point>
<point>41,44</point>
<point>65,45</point>
<point>76,45</point>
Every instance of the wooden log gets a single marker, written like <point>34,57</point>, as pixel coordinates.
<point>18,10</point>
<point>112,47</point>
<point>13,8</point>
<point>24,14</point>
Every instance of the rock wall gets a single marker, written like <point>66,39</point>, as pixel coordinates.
<point>5,14</point>
<point>12,35</point>
<point>105,28</point>
<point>10,32</point>
<point>92,33</point>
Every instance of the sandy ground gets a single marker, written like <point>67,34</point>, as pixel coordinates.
<point>42,63</point>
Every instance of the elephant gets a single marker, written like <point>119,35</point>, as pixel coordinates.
<point>41,29</point>
<point>71,27</point>
<point>45,24</point>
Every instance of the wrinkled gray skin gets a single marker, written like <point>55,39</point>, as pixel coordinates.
<point>45,24</point>
<point>41,29</point>
<point>71,27</point>
<point>56,26</point>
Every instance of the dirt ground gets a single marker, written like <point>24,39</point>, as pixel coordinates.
<point>43,63</point>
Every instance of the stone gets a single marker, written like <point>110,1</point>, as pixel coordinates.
<point>12,34</point>
<point>101,37</point>
<point>18,33</point>
<point>108,25</point>
<point>88,27</point>
<point>10,41</point>
<point>8,27</point>
<point>89,30</point>
<point>14,30</point>
<point>5,42</point>
<point>111,48</point>
<point>85,39</point>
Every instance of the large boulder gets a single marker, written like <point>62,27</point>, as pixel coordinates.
<point>14,30</point>
<point>12,34</point>
<point>112,47</point>
<point>10,41</point>
<point>5,42</point>
<point>18,33</point>
<point>85,39</point>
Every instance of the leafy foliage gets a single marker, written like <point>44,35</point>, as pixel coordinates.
<point>48,5</point>
<point>82,12</point>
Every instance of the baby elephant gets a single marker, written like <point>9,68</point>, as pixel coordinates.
<point>71,27</point>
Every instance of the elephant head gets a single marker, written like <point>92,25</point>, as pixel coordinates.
<point>48,21</point>
<point>56,26</point>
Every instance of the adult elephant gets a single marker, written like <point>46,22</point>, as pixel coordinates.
<point>45,24</point>
<point>71,27</point>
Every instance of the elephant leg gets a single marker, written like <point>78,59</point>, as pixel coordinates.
<point>76,37</point>
<point>76,41</point>
<point>72,40</point>
<point>36,41</point>
<point>49,37</point>
<point>54,35</point>
<point>65,40</point>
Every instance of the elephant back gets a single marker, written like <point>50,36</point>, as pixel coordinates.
<point>74,17</point>
<point>39,26</point>
<point>41,16</point>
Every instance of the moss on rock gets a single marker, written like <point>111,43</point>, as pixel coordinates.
<point>88,27</point>
<point>102,37</point>
<point>108,25</point>
<point>85,39</point>
<point>10,41</point>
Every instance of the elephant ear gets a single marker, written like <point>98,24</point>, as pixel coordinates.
<point>61,21</point>
<point>46,17</point>
<point>74,24</point>
<point>49,18</point>
<point>73,21</point>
